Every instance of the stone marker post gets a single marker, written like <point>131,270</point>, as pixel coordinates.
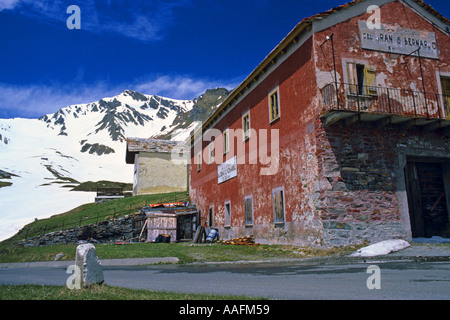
<point>89,264</point>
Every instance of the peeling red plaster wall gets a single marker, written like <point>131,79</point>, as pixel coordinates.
<point>393,70</point>
<point>296,83</point>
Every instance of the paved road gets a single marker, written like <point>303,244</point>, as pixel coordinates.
<point>398,279</point>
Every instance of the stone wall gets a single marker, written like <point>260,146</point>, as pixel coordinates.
<point>104,232</point>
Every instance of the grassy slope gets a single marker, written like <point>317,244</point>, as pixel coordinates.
<point>91,213</point>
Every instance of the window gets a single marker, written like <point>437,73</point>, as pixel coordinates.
<point>361,79</point>
<point>248,204</point>
<point>226,141</point>
<point>227,214</point>
<point>274,105</point>
<point>246,126</point>
<point>211,152</point>
<point>199,161</point>
<point>278,205</point>
<point>211,216</point>
<point>445,85</point>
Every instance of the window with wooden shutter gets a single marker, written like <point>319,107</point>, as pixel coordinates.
<point>227,214</point>
<point>352,78</point>
<point>226,141</point>
<point>370,81</point>
<point>278,205</point>
<point>445,85</point>
<point>274,105</point>
<point>246,126</point>
<point>361,79</point>
<point>211,152</point>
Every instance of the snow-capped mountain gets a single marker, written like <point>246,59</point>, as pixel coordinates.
<point>41,159</point>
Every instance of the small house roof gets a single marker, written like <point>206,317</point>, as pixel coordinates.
<point>168,211</point>
<point>136,145</point>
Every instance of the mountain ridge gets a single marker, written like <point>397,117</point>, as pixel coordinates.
<point>48,156</point>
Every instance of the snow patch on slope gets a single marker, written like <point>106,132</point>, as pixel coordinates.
<point>381,248</point>
<point>46,154</point>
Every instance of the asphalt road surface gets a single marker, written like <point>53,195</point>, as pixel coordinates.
<point>391,280</point>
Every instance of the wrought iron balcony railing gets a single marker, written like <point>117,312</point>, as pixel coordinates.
<point>382,100</point>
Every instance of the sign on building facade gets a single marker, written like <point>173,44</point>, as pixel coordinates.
<point>227,170</point>
<point>398,40</point>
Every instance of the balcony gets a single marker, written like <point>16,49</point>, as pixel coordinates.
<point>382,106</point>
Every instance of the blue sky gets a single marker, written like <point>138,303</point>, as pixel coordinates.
<point>173,48</point>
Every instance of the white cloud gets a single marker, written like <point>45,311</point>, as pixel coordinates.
<point>142,28</point>
<point>32,101</point>
<point>8,4</point>
<point>142,20</point>
<point>181,87</point>
<point>36,100</point>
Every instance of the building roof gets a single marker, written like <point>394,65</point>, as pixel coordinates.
<point>162,210</point>
<point>136,145</point>
<point>304,25</point>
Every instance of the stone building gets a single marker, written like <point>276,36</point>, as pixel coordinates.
<point>155,170</point>
<point>340,135</point>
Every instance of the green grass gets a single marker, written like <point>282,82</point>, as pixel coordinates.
<point>185,252</point>
<point>101,292</point>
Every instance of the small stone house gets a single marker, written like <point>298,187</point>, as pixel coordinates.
<point>155,170</point>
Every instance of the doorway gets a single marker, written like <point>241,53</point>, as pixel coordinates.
<point>427,187</point>
<point>185,227</point>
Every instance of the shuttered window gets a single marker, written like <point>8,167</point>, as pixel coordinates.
<point>274,105</point>
<point>278,205</point>
<point>211,152</point>
<point>445,84</point>
<point>226,141</point>
<point>352,78</point>
<point>227,214</point>
<point>246,126</point>
<point>370,81</point>
<point>361,79</point>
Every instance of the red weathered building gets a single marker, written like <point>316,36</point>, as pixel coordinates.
<point>340,135</point>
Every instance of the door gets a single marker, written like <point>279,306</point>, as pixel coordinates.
<point>427,199</point>
<point>185,228</point>
<point>414,200</point>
